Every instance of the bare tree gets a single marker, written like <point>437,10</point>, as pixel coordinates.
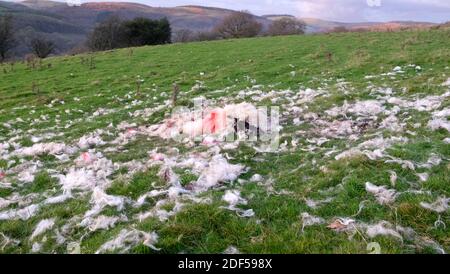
<point>339,29</point>
<point>7,41</point>
<point>78,49</point>
<point>42,47</point>
<point>238,25</point>
<point>107,35</point>
<point>286,26</point>
<point>183,36</point>
<point>206,36</point>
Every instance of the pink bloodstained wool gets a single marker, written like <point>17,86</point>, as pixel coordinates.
<point>158,157</point>
<point>215,121</point>
<point>131,131</point>
<point>86,157</point>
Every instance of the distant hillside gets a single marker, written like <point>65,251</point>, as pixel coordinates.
<point>278,16</point>
<point>319,25</point>
<point>445,25</point>
<point>31,22</point>
<point>68,25</point>
<point>87,15</point>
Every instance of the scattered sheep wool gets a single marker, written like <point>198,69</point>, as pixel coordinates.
<point>88,173</point>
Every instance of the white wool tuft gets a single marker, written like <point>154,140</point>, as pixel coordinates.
<point>382,228</point>
<point>45,148</point>
<point>90,140</point>
<point>379,145</point>
<point>335,129</point>
<point>423,177</point>
<point>81,179</point>
<point>392,123</point>
<point>127,239</point>
<point>428,103</point>
<point>381,193</point>
<point>406,164</point>
<point>233,198</point>
<point>246,213</point>
<point>231,250</point>
<point>361,108</point>
<point>22,214</point>
<point>348,154</point>
<point>393,178</point>
<point>94,172</point>
<point>5,202</point>
<point>439,206</point>
<point>434,160</point>
<point>42,227</point>
<point>159,212</point>
<point>438,123</point>
<point>219,170</point>
<point>100,200</point>
<point>367,108</point>
<point>8,241</point>
<point>85,159</point>
<point>154,193</point>
<point>73,248</point>
<point>446,83</point>
<point>36,247</point>
<point>442,113</point>
<point>174,191</point>
<point>101,222</point>
<point>169,175</point>
<point>314,204</point>
<point>95,162</point>
<point>27,175</point>
<point>4,147</point>
<point>58,199</point>
<point>309,220</point>
<point>256,178</point>
<point>382,143</point>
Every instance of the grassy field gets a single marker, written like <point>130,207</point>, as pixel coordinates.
<point>302,189</point>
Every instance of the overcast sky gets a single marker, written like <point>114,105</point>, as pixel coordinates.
<point>338,10</point>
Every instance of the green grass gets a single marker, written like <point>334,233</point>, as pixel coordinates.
<point>224,68</point>
<point>140,184</point>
